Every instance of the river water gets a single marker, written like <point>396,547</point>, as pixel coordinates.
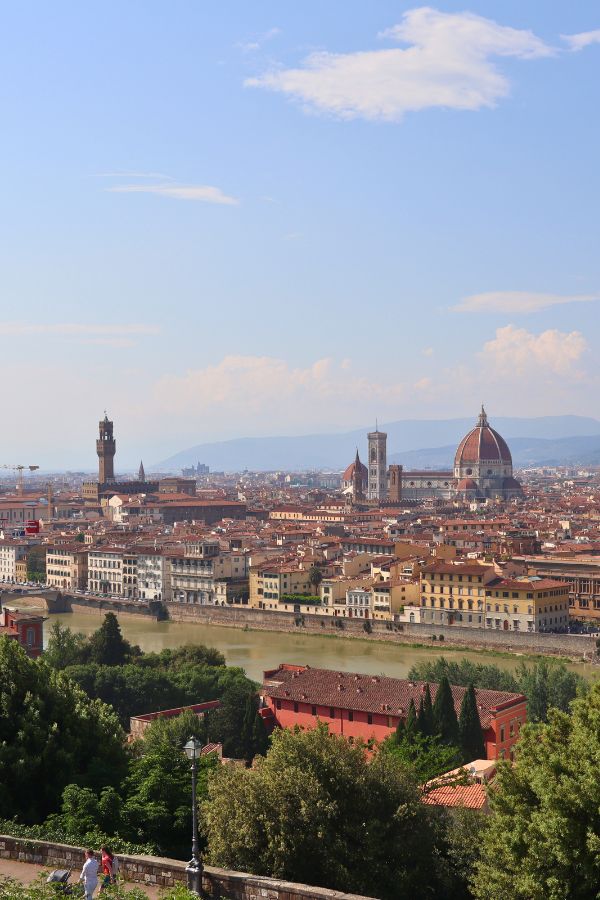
<point>255,651</point>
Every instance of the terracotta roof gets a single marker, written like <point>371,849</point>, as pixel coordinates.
<point>470,796</point>
<point>483,444</point>
<point>369,693</point>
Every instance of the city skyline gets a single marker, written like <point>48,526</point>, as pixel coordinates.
<point>229,223</point>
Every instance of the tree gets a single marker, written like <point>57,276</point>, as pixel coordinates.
<point>36,564</point>
<point>158,804</point>
<point>444,714</point>
<point>80,537</point>
<point>427,756</point>
<point>65,647</point>
<point>545,684</point>
<point>469,726</point>
<point>315,577</point>
<point>108,647</point>
<point>316,811</point>
<point>425,717</point>
<point>260,738</point>
<point>51,735</point>
<point>411,727</point>
<point>543,838</point>
<point>233,722</point>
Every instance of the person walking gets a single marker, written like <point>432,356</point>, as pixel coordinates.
<point>107,864</point>
<point>89,874</point>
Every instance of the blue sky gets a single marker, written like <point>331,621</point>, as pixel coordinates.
<point>236,219</point>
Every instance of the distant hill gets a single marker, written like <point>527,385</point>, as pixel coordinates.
<point>580,450</point>
<point>533,440</point>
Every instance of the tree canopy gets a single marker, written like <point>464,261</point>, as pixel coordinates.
<point>543,839</point>
<point>316,811</point>
<point>51,734</point>
<point>545,684</point>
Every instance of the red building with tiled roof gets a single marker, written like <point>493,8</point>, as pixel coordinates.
<point>24,627</point>
<point>370,706</point>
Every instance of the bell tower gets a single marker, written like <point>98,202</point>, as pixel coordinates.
<point>377,465</point>
<point>105,448</point>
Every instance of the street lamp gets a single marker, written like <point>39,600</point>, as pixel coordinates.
<point>193,870</point>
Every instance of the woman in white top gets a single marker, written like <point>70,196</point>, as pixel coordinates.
<point>89,874</point>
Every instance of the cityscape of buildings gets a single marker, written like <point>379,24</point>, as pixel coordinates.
<point>476,547</point>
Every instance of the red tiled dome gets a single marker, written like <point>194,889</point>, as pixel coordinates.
<point>349,473</point>
<point>482,444</point>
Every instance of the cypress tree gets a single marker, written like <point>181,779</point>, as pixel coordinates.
<point>260,738</point>
<point>399,733</point>
<point>411,726</point>
<point>444,714</point>
<point>426,721</point>
<point>469,724</point>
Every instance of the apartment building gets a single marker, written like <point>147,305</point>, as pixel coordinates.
<point>270,583</point>
<point>150,574</point>
<point>105,570</point>
<point>11,552</point>
<point>196,574</point>
<point>67,567</point>
<point>472,595</point>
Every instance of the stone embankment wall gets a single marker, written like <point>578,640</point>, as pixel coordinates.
<point>574,645</point>
<point>167,872</point>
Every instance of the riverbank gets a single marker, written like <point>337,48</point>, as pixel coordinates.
<point>569,646</point>
<point>258,649</point>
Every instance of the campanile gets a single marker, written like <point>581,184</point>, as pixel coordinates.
<point>105,448</point>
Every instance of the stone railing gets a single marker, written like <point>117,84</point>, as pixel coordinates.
<point>165,873</point>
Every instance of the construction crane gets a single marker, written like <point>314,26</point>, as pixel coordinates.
<point>19,470</point>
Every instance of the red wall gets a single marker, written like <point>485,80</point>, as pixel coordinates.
<point>383,725</point>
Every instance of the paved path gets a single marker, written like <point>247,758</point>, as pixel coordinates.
<point>26,873</point>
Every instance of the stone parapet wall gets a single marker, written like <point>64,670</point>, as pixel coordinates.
<point>167,872</point>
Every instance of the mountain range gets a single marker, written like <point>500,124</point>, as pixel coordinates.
<point>415,443</point>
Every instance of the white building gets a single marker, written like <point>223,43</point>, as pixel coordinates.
<point>10,553</point>
<point>359,603</point>
<point>377,465</point>
<point>105,570</point>
<point>150,575</point>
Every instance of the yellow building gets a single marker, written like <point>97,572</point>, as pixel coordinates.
<point>269,583</point>
<point>66,567</point>
<point>473,595</point>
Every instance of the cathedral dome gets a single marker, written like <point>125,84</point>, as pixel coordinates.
<point>482,445</point>
<point>349,473</point>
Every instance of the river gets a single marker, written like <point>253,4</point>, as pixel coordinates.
<point>255,651</point>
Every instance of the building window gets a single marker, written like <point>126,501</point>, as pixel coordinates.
<point>278,704</point>
<point>331,712</point>
<point>502,734</point>
<point>295,707</point>
<point>313,710</point>
<point>350,715</point>
<point>369,719</point>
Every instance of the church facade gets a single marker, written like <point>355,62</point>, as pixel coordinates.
<point>482,470</point>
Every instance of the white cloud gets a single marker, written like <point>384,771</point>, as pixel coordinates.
<point>76,329</point>
<point>448,64</point>
<point>518,302</point>
<point>516,352</point>
<point>583,39</point>
<point>263,390</point>
<point>257,43</point>
<point>202,192</point>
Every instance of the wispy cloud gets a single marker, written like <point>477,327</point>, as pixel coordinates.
<point>97,333</point>
<point>257,42</point>
<point>518,302</point>
<point>203,192</point>
<point>133,175</point>
<point>583,39</point>
<point>448,64</point>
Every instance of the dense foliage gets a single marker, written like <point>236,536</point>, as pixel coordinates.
<point>546,685</point>
<point>108,668</point>
<point>543,840</point>
<point>51,734</point>
<point>317,810</point>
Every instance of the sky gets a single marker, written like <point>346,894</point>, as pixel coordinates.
<point>236,219</point>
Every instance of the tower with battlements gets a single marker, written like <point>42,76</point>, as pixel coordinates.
<point>105,448</point>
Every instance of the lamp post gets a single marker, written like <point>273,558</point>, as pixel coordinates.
<point>194,867</point>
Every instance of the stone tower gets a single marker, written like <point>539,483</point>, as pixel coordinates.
<point>105,448</point>
<point>357,480</point>
<point>395,484</point>
<point>377,464</point>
